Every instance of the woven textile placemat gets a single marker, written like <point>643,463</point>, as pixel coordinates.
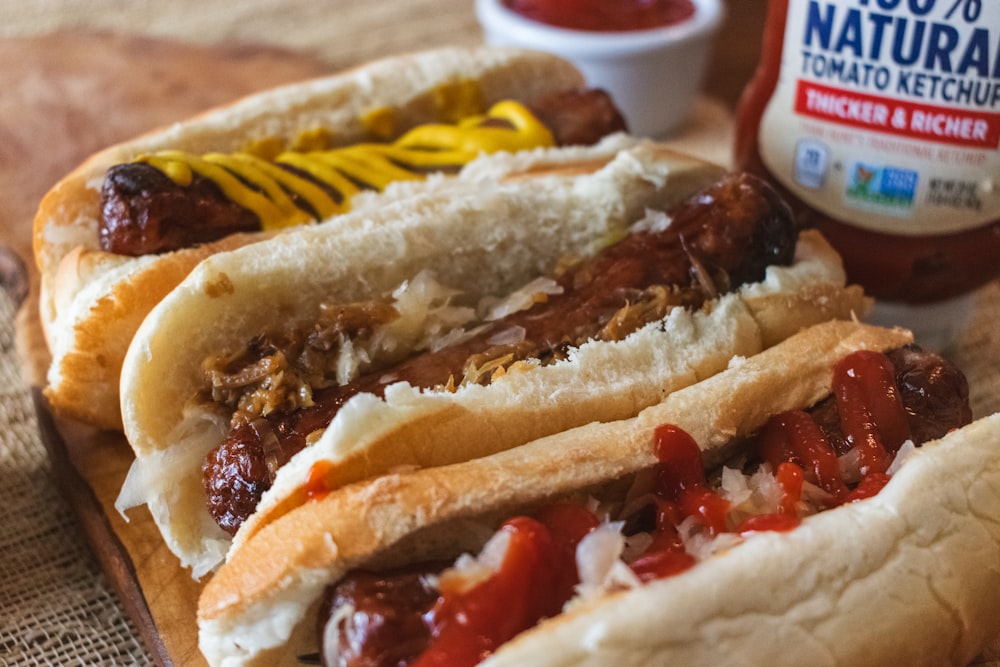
<point>977,352</point>
<point>56,606</point>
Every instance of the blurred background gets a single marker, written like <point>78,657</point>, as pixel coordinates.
<point>339,32</point>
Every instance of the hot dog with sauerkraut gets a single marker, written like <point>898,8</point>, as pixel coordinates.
<point>800,493</point>
<point>719,239</point>
<point>483,317</point>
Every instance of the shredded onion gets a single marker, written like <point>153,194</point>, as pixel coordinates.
<point>521,299</point>
<point>758,493</point>
<point>653,221</point>
<point>701,272</point>
<point>850,466</point>
<point>349,360</point>
<point>344,615</point>
<point>598,551</point>
<point>269,444</point>
<point>508,336</point>
<point>599,562</point>
<point>469,570</point>
<point>904,452</point>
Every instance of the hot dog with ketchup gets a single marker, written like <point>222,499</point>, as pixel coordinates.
<point>473,323</point>
<point>825,501</point>
<point>115,235</point>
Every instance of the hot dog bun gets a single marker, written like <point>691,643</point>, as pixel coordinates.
<point>569,210</point>
<point>907,577</point>
<point>93,301</point>
<point>811,595</point>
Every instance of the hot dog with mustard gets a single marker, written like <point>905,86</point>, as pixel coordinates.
<point>115,235</point>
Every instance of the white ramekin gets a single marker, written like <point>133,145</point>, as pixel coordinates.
<point>654,75</point>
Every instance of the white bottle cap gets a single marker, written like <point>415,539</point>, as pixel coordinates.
<point>935,326</point>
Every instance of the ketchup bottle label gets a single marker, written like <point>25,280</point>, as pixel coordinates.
<point>887,113</point>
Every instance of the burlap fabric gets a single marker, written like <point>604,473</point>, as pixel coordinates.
<point>56,607</point>
<point>978,352</point>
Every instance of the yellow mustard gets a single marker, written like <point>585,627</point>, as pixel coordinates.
<point>281,197</point>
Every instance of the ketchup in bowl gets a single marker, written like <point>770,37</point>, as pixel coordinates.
<point>604,15</point>
<point>650,55</point>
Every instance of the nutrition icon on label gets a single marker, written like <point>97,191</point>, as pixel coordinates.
<point>886,189</point>
<point>812,161</point>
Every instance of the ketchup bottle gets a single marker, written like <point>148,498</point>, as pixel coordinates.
<point>880,122</point>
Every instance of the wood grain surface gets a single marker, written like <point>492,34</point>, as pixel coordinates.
<point>69,94</point>
<point>340,33</point>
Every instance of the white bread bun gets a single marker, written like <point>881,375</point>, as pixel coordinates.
<point>907,577</point>
<point>92,301</point>
<point>260,607</point>
<point>488,240</point>
<point>600,382</point>
<point>543,219</point>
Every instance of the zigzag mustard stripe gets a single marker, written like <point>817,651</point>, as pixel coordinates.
<point>273,193</point>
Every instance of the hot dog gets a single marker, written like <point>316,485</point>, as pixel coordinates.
<point>879,559</point>
<point>115,235</point>
<point>171,200</point>
<point>235,416</point>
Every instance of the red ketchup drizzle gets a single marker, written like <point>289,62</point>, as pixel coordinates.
<point>567,523</point>
<point>316,487</point>
<point>666,555</point>
<point>794,437</point>
<point>779,522</point>
<point>870,485</point>
<point>538,571</point>
<point>681,491</point>
<point>535,579</point>
<point>871,411</point>
<point>790,478</point>
<point>681,479</point>
<point>872,417</point>
<point>604,15</point>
